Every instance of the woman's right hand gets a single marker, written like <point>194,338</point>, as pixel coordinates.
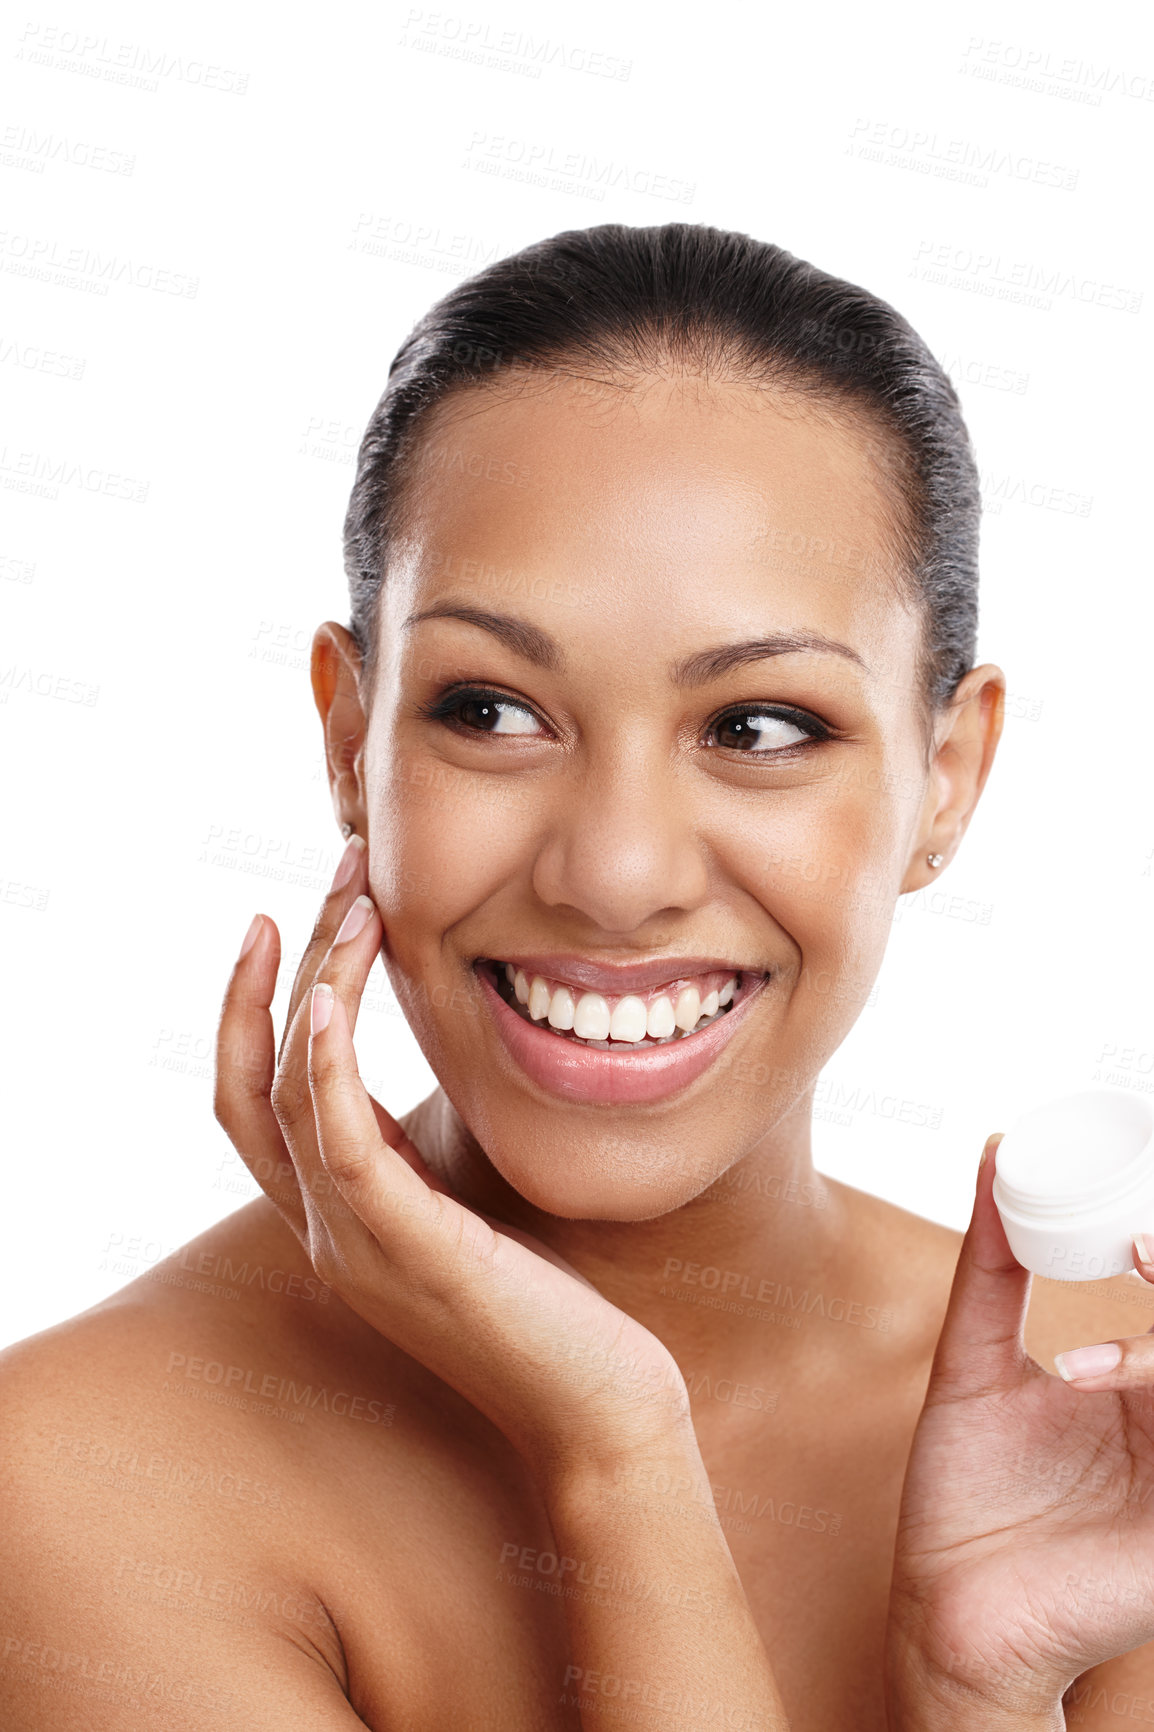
<point>580,1388</point>
<point>564,1374</point>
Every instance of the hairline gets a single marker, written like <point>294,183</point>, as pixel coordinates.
<point>882,444</point>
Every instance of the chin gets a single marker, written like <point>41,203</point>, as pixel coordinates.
<point>564,1165</point>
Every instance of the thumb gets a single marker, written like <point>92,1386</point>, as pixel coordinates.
<point>981,1349</point>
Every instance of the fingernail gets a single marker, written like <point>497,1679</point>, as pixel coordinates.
<point>347,863</point>
<point>1088,1361</point>
<point>1140,1247</point>
<point>355,919</point>
<point>320,1007</point>
<point>251,934</point>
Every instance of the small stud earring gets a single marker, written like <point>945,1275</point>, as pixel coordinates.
<point>935,859</point>
<point>346,829</point>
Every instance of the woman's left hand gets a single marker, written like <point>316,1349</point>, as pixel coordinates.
<point>1025,1546</point>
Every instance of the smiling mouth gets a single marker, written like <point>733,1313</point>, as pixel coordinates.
<point>633,1022</point>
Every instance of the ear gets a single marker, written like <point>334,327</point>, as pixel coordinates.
<point>335,671</point>
<point>966,737</point>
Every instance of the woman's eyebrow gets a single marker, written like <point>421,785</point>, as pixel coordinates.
<point>536,646</point>
<point>711,664</point>
<point>525,640</point>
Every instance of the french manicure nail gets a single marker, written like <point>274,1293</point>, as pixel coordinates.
<point>355,919</point>
<point>320,1007</point>
<point>1142,1249</point>
<point>1088,1361</point>
<point>251,935</point>
<point>347,863</point>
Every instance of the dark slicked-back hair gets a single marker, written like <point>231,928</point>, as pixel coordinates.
<point>623,303</point>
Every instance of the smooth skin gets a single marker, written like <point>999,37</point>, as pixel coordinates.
<point>511,1274</point>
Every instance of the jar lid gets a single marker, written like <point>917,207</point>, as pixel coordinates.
<point>1076,1153</point>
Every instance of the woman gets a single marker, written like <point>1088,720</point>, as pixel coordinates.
<point>579,1396</point>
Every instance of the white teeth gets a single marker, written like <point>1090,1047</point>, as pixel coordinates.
<point>591,1017</point>
<point>628,1020</point>
<point>631,1020</point>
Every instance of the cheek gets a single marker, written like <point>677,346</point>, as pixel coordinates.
<point>440,845</point>
<point>828,877</point>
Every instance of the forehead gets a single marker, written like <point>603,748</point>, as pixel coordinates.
<point>676,510</point>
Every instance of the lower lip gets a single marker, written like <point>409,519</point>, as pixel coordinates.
<point>589,1073</point>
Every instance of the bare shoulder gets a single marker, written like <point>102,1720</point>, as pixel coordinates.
<point>147,1553</point>
<point>208,1392</point>
<point>222,1489</point>
<point>213,1347</point>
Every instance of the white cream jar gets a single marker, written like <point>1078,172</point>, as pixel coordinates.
<point>1074,1181</point>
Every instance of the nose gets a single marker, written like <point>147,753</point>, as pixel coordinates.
<point>622,848</point>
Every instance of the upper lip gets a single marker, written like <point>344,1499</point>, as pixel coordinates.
<point>616,979</point>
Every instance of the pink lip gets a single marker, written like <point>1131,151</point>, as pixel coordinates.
<point>625,1078</point>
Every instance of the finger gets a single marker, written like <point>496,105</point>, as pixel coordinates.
<point>981,1348</point>
<point>1109,1365</point>
<point>1142,1252</point>
<point>397,1137</point>
<point>245,1066</point>
<point>344,967</point>
<point>1124,1364</point>
<point>291,1102</point>
<point>381,1188</point>
<point>349,880</point>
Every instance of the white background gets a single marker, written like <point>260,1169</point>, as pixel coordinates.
<point>312,189</point>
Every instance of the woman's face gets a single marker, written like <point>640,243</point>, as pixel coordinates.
<point>680,741</point>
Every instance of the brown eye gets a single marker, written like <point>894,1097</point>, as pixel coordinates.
<point>481,713</point>
<point>763,731</point>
